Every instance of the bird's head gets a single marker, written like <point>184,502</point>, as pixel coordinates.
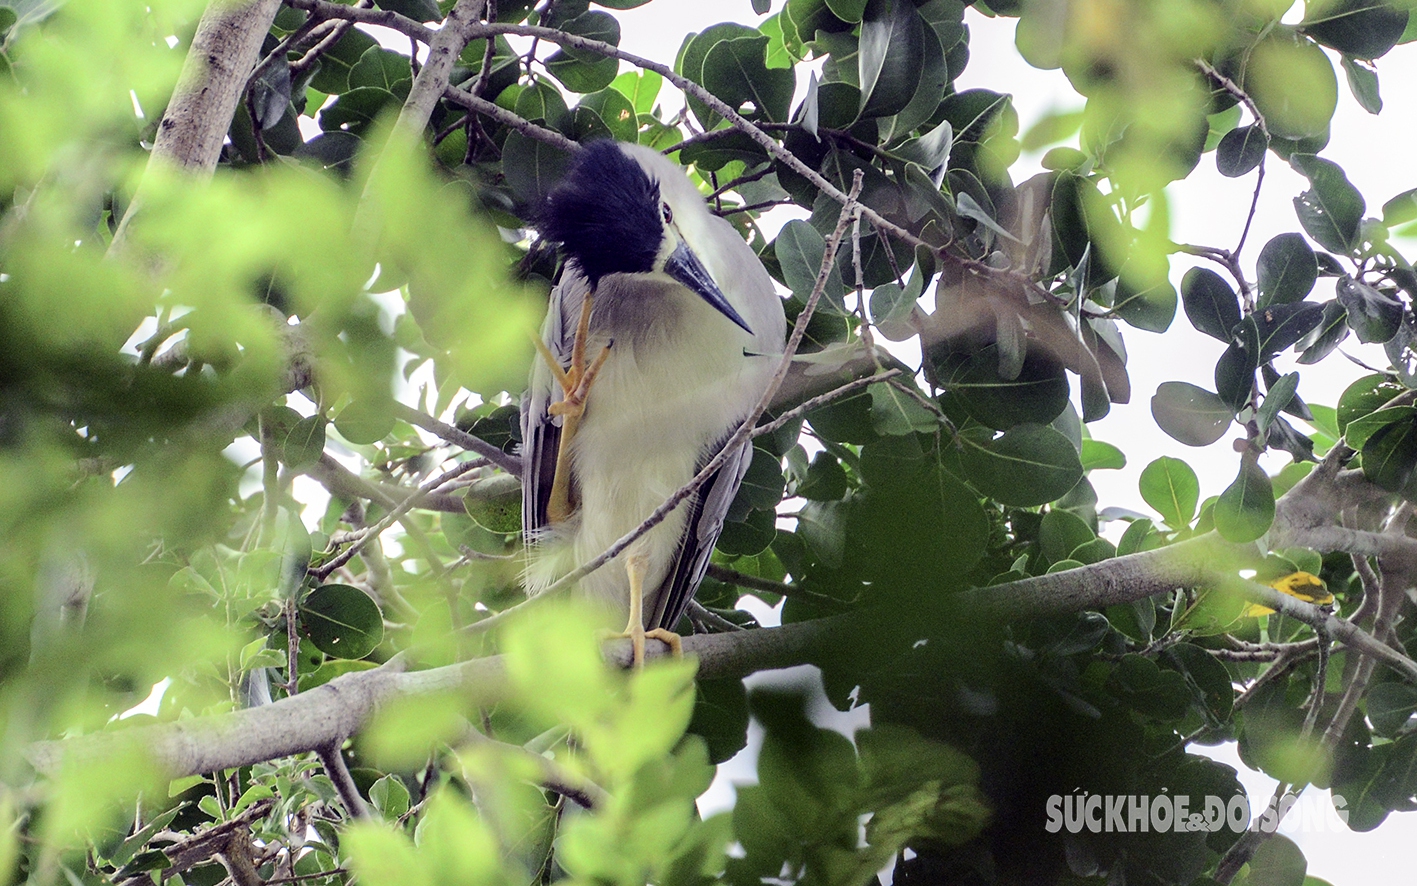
<point>612,217</point>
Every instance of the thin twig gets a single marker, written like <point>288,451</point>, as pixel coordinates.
<point>509,463</point>
<point>836,393</point>
<point>338,772</point>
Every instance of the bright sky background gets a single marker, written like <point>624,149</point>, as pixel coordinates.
<point>1207,209</point>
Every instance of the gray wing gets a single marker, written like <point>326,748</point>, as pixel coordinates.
<point>541,434</point>
<point>707,510</point>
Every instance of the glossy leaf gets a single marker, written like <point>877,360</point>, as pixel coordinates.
<point>735,70</point>
<point>1190,414</point>
<point>1331,210</point>
<point>1037,395</point>
<point>1363,29</point>
<point>1245,509</point>
<point>1235,376</point>
<point>1170,486</point>
<point>1241,150</point>
<point>1287,270</point>
<point>1358,431</point>
<point>1367,394</point>
<point>532,167</point>
<point>342,621</point>
<point>891,56</point>
<point>1373,315</point>
<point>1329,334</point>
<point>1211,305</point>
<point>580,70</point>
<point>800,250</point>
<point>1280,393</point>
<point>1278,327</point>
<point>1028,465</point>
<point>1363,83</point>
<point>1097,455</point>
<point>1390,455</point>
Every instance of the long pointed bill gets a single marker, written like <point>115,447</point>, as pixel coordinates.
<point>685,267</point>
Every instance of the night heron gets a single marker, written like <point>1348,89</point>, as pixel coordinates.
<point>660,338</point>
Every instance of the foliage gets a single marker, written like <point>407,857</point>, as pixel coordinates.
<point>222,470</point>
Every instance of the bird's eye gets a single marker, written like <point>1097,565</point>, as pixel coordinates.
<point>668,213</point>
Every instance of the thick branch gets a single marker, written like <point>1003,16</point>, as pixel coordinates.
<point>432,79</point>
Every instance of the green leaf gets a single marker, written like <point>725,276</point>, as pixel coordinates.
<point>618,114</point>
<point>1360,429</point>
<point>895,412</point>
<point>1277,327</point>
<point>1208,679</point>
<point>735,70</point>
<point>1400,209</point>
<point>1391,706</point>
<point>891,56</point>
<point>1241,150</point>
<point>721,717</point>
<point>1369,393</point>
<point>1390,454</point>
<point>1278,862</point>
<point>1097,455</point>
<point>1373,315</point>
<point>1363,83</point>
<point>1172,489</point>
<point>333,76</point>
<point>304,442</point>
<point>1331,211</point>
<point>1328,335</point>
<point>1027,466</point>
<point>381,69</point>
<point>1190,414</point>
<point>532,167</point>
<point>1245,509</point>
<point>641,88</point>
<point>763,484</point>
<point>365,421</point>
<point>342,621</point>
<point>1037,396</point>
<point>826,479</point>
<point>1061,533</point>
<point>1363,29</point>
<point>1235,375</point>
<point>1275,399</point>
<point>800,250</point>
<point>581,70</point>
<point>822,525</point>
<point>418,10</point>
<point>691,63</point>
<point>1286,269</point>
<point>1211,305</point>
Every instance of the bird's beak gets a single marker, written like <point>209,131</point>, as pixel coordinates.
<point>685,267</point>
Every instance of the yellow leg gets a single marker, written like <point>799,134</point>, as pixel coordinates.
<point>636,565</point>
<point>575,385</point>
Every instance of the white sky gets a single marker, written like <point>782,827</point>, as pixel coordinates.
<point>1207,209</point>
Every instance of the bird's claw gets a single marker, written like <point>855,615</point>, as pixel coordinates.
<point>637,636</point>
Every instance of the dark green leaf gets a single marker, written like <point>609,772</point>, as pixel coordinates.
<point>847,420</point>
<point>1211,305</point>
<point>1036,396</point>
<point>825,481</point>
<point>381,69</point>
<point>1241,150</point>
<point>1391,706</point>
<point>304,442</point>
<point>418,10</point>
<point>1208,678</point>
<point>1279,326</point>
<point>691,62</point>
<point>1245,509</point>
<point>735,71</point>
<point>1027,466</point>
<point>1332,209</point>
<point>1373,315</point>
<point>1286,269</point>
<point>1329,334</point>
<point>1190,414</point>
<point>1390,454</point>
<point>581,70</point>
<point>800,250</point>
<point>1275,399</point>
<point>750,536</point>
<point>891,56</point>
<point>342,621</point>
<point>1367,394</point>
<point>763,484</point>
<point>532,167</point>
<point>1278,862</point>
<point>335,64</point>
<point>1235,376</point>
<point>1358,430</point>
<point>1363,83</point>
<point>1363,29</point>
<point>1061,533</point>
<point>721,717</point>
<point>822,525</point>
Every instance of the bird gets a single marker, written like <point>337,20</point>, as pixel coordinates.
<point>661,335</point>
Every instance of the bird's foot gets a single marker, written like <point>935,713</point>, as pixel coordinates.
<point>637,636</point>
<point>575,380</point>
